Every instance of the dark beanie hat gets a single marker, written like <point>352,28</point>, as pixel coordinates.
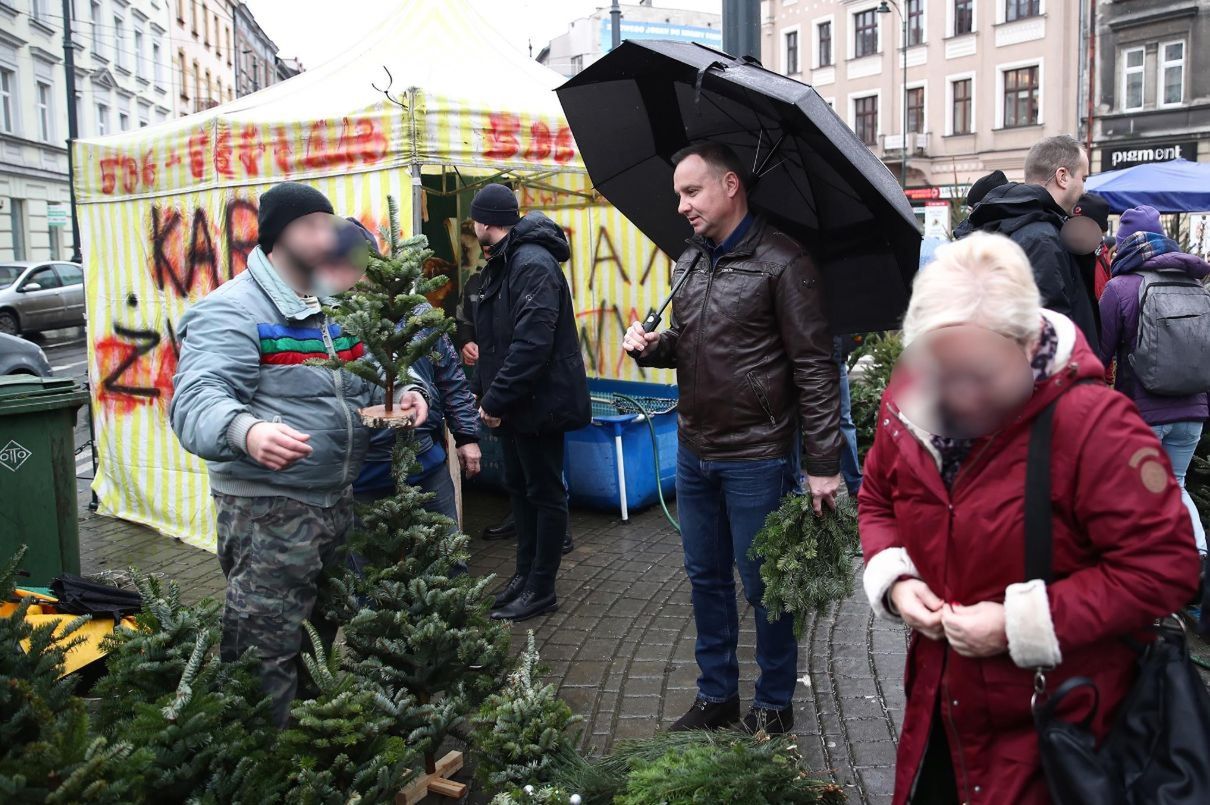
<point>495,205</point>
<point>1094,206</point>
<point>283,203</point>
<point>983,185</point>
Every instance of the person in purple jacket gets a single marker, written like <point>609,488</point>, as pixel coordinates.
<point>1177,421</point>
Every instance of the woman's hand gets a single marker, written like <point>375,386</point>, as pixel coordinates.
<point>918,606</point>
<point>976,631</point>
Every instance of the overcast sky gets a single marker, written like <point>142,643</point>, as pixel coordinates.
<point>317,30</point>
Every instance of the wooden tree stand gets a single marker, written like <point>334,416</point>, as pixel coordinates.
<point>376,416</point>
<point>435,782</point>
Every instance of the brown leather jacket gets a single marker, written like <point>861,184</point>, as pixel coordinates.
<point>750,343</point>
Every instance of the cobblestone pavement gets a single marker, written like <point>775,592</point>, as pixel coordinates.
<point>621,644</point>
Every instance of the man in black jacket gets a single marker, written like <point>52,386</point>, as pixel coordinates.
<point>1031,214</point>
<point>531,384</point>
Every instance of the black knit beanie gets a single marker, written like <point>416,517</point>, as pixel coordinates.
<point>984,185</point>
<point>283,203</point>
<point>495,205</point>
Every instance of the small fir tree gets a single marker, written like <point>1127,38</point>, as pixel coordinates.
<point>521,733</point>
<point>380,312</point>
<point>806,560</point>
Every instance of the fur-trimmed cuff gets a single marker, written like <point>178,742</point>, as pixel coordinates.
<point>1027,623</point>
<point>882,571</point>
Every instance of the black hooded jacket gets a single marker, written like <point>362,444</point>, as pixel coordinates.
<point>530,373</point>
<point>1028,215</point>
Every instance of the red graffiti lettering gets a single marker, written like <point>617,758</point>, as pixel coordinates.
<point>173,160</point>
<point>197,155</point>
<point>249,150</point>
<point>149,169</point>
<point>361,141</point>
<point>184,268</point>
<point>136,368</point>
<point>239,227</point>
<point>540,142</point>
<point>565,146</point>
<point>500,138</point>
<point>282,152</point>
<point>222,153</point>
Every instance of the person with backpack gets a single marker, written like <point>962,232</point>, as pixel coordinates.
<point>1155,321</point>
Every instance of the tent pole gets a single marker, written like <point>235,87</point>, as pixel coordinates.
<point>417,200</point>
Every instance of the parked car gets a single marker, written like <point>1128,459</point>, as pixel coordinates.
<point>20,357</point>
<point>40,295</point>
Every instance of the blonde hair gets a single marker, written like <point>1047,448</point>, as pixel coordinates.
<point>983,279</point>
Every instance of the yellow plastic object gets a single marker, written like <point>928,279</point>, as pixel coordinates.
<point>92,632</point>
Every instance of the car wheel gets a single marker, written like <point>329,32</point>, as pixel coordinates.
<point>9,324</point>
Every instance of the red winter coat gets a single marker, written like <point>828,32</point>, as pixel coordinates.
<point>1123,555</point>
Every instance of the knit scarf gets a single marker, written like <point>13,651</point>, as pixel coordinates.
<point>1137,249</point>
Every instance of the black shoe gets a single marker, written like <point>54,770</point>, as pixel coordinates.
<point>568,545</point>
<point>509,592</point>
<point>704,715</point>
<point>504,530</point>
<point>770,722</point>
<point>528,605</point>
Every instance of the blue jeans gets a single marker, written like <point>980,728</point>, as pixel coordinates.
<point>722,504</point>
<point>850,467</point>
<point>1180,440</point>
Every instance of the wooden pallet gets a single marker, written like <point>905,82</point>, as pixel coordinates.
<point>435,783</point>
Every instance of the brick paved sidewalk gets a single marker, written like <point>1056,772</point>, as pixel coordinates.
<point>621,644</point>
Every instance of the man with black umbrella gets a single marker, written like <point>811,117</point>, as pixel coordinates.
<point>750,341</point>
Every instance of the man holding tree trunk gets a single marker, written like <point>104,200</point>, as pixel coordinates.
<point>749,339</point>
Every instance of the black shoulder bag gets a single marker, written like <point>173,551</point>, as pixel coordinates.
<point>1158,749</point>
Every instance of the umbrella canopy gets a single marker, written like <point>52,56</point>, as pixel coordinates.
<point>633,109</point>
<point>1174,186</point>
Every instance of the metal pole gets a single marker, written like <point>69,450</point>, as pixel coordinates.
<point>741,28</point>
<point>615,22</point>
<point>69,67</point>
<point>903,101</point>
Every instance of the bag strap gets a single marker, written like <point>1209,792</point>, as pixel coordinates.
<point>1038,512</point>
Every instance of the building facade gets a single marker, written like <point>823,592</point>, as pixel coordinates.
<point>255,54</point>
<point>589,38</point>
<point>984,79</point>
<point>203,35</point>
<point>1150,82</point>
<point>123,80</point>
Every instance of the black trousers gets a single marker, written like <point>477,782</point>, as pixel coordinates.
<point>936,784</point>
<point>533,476</point>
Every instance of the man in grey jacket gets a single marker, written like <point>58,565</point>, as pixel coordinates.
<point>282,439</point>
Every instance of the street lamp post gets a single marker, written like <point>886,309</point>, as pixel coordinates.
<point>885,8</point>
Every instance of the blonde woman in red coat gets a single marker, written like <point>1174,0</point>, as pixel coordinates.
<point>941,512</point>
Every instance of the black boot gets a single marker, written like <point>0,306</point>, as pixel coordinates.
<point>704,715</point>
<point>528,605</point>
<point>504,530</point>
<point>568,545</point>
<point>510,591</point>
<point>768,721</point>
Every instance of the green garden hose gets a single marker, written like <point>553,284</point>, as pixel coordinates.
<point>655,454</point>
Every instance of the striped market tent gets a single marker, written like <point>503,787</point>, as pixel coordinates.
<point>432,105</point>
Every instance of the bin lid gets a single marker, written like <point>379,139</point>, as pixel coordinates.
<point>26,392</point>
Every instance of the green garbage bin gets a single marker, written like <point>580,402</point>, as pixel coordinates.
<point>38,474</point>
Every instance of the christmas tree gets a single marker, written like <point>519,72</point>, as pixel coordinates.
<point>380,312</point>
<point>521,733</point>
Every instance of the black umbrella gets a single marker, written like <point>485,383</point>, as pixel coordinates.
<point>633,109</point>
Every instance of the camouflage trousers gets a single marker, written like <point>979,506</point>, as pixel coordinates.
<point>273,551</point>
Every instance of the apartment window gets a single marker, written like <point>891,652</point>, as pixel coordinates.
<point>962,105</point>
<point>1172,72</point>
<point>157,64</point>
<point>193,20</point>
<point>95,17</point>
<point>180,10</point>
<point>119,41</point>
<point>915,110</point>
<point>1020,9</point>
<point>37,10</point>
<point>144,116</point>
<point>197,82</point>
<point>791,52</point>
<point>205,27</point>
<point>915,22</point>
<point>964,17</point>
<point>865,33</point>
<point>8,103</point>
<point>138,54</point>
<point>865,119</point>
<point>180,55</point>
<point>45,112</point>
<point>1132,78</point>
<point>102,119</point>
<point>1020,97</point>
<point>123,121</point>
<point>16,217</point>
<point>825,44</point>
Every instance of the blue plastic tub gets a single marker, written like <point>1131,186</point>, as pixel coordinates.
<point>617,437</point>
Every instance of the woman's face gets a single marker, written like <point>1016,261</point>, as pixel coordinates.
<point>967,381</point>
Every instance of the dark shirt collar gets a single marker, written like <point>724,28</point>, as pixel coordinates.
<point>731,241</point>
